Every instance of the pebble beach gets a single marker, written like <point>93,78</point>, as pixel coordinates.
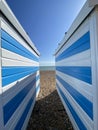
<point>48,112</point>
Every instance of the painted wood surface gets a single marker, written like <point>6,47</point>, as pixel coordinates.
<point>19,70</point>
<point>76,70</point>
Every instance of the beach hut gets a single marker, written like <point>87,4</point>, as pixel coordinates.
<point>77,69</point>
<point>19,72</point>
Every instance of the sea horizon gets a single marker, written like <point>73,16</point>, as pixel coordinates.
<point>45,68</point>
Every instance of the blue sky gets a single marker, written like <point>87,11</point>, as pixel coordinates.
<point>46,21</point>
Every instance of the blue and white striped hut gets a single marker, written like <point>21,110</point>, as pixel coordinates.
<point>19,72</point>
<point>77,69</point>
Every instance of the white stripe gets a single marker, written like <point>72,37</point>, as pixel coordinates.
<point>9,86</point>
<point>14,90</point>
<point>68,112</point>
<point>18,112</point>
<point>38,82</point>
<point>16,36</point>
<point>10,62</point>
<point>8,95</point>
<point>77,35</point>
<point>80,59</point>
<point>82,87</point>
<point>78,28</point>
<point>83,116</point>
<point>11,55</point>
<point>28,117</point>
<point>10,16</point>
<point>37,73</point>
<point>38,90</point>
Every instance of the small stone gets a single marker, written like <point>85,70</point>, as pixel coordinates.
<point>49,113</point>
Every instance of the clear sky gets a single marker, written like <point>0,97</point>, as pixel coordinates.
<point>46,21</point>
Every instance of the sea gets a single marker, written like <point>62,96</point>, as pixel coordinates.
<point>45,68</point>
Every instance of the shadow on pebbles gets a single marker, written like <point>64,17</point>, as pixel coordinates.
<point>48,112</point>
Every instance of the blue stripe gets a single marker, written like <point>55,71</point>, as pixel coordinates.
<point>80,45</point>
<point>9,43</point>
<point>25,113</point>
<point>79,72</point>
<point>14,103</point>
<point>73,112</point>
<point>11,74</point>
<point>85,104</point>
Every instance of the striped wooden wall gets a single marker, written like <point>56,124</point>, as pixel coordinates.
<point>19,78</point>
<point>74,78</point>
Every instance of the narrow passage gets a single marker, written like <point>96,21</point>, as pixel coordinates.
<point>48,113</point>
